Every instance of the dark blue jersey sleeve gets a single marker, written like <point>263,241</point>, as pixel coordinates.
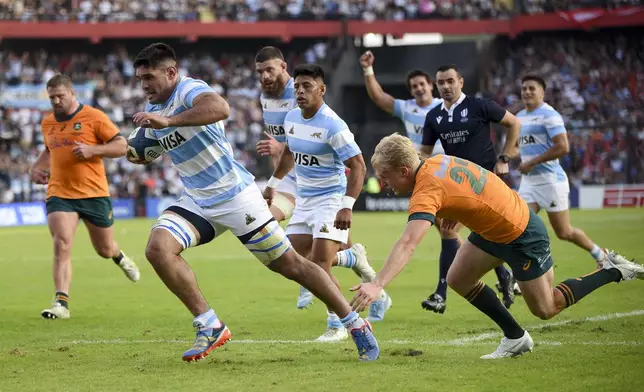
<point>429,135</point>
<point>493,112</point>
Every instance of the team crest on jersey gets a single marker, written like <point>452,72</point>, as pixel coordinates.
<point>284,105</point>
<point>324,229</point>
<point>291,131</point>
<point>464,115</point>
<point>249,219</point>
<point>316,135</point>
<point>77,126</point>
<point>415,110</point>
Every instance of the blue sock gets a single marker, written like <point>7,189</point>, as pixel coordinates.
<point>333,321</point>
<point>502,274</point>
<point>346,258</point>
<point>449,247</point>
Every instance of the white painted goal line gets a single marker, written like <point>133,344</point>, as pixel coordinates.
<point>481,339</point>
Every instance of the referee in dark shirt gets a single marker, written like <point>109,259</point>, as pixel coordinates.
<point>462,124</point>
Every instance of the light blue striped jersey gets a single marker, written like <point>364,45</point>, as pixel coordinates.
<point>413,118</point>
<point>319,145</point>
<point>275,110</point>
<point>538,127</point>
<point>202,154</point>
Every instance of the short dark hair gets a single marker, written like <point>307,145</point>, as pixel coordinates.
<point>59,80</point>
<point>312,70</point>
<point>418,72</point>
<point>447,67</point>
<point>268,53</point>
<point>534,78</point>
<point>154,54</point>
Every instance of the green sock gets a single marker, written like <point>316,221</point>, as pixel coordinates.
<point>486,300</point>
<point>118,258</point>
<point>575,289</point>
<point>62,298</point>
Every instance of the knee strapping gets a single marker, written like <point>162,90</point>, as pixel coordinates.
<point>179,228</point>
<point>269,243</point>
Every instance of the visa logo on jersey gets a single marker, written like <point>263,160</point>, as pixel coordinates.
<point>527,139</point>
<point>172,141</point>
<point>275,130</point>
<point>305,159</point>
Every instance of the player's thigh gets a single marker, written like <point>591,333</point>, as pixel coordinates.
<point>97,211</point>
<point>553,196</point>
<point>322,220</point>
<point>62,226</point>
<point>470,265</point>
<point>248,217</point>
<point>529,254</point>
<point>538,293</point>
<point>298,230</point>
<point>62,219</point>
<point>527,192</point>
<point>182,225</point>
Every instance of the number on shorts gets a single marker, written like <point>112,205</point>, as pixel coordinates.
<point>458,173</point>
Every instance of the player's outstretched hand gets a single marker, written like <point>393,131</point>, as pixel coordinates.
<point>269,194</point>
<point>150,120</point>
<point>39,176</point>
<point>83,151</point>
<point>343,219</point>
<point>365,294</point>
<point>366,60</point>
<point>269,147</point>
<point>501,168</point>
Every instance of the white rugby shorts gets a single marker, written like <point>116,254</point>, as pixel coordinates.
<point>315,216</point>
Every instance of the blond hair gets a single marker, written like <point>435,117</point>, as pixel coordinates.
<point>395,151</point>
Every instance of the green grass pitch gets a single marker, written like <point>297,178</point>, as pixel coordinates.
<point>127,336</point>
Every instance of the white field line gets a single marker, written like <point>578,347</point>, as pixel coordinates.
<point>469,341</point>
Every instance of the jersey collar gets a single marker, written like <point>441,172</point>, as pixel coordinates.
<point>450,111</point>
<point>68,117</point>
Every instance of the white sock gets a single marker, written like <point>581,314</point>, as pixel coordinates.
<point>207,320</point>
<point>352,321</point>
<point>346,258</point>
<point>333,321</point>
<point>597,253</point>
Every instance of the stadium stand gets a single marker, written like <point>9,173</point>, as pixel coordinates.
<point>596,79</point>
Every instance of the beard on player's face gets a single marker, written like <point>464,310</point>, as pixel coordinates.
<point>272,76</point>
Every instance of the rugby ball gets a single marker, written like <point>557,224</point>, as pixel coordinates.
<point>142,144</point>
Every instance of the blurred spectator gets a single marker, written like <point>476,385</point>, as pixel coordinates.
<point>91,11</point>
<point>118,95</point>
<point>596,81</point>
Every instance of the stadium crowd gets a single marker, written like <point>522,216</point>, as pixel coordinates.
<point>89,11</point>
<point>595,80</point>
<point>114,11</point>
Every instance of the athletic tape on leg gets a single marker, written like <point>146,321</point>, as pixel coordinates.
<point>179,228</point>
<point>269,243</point>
